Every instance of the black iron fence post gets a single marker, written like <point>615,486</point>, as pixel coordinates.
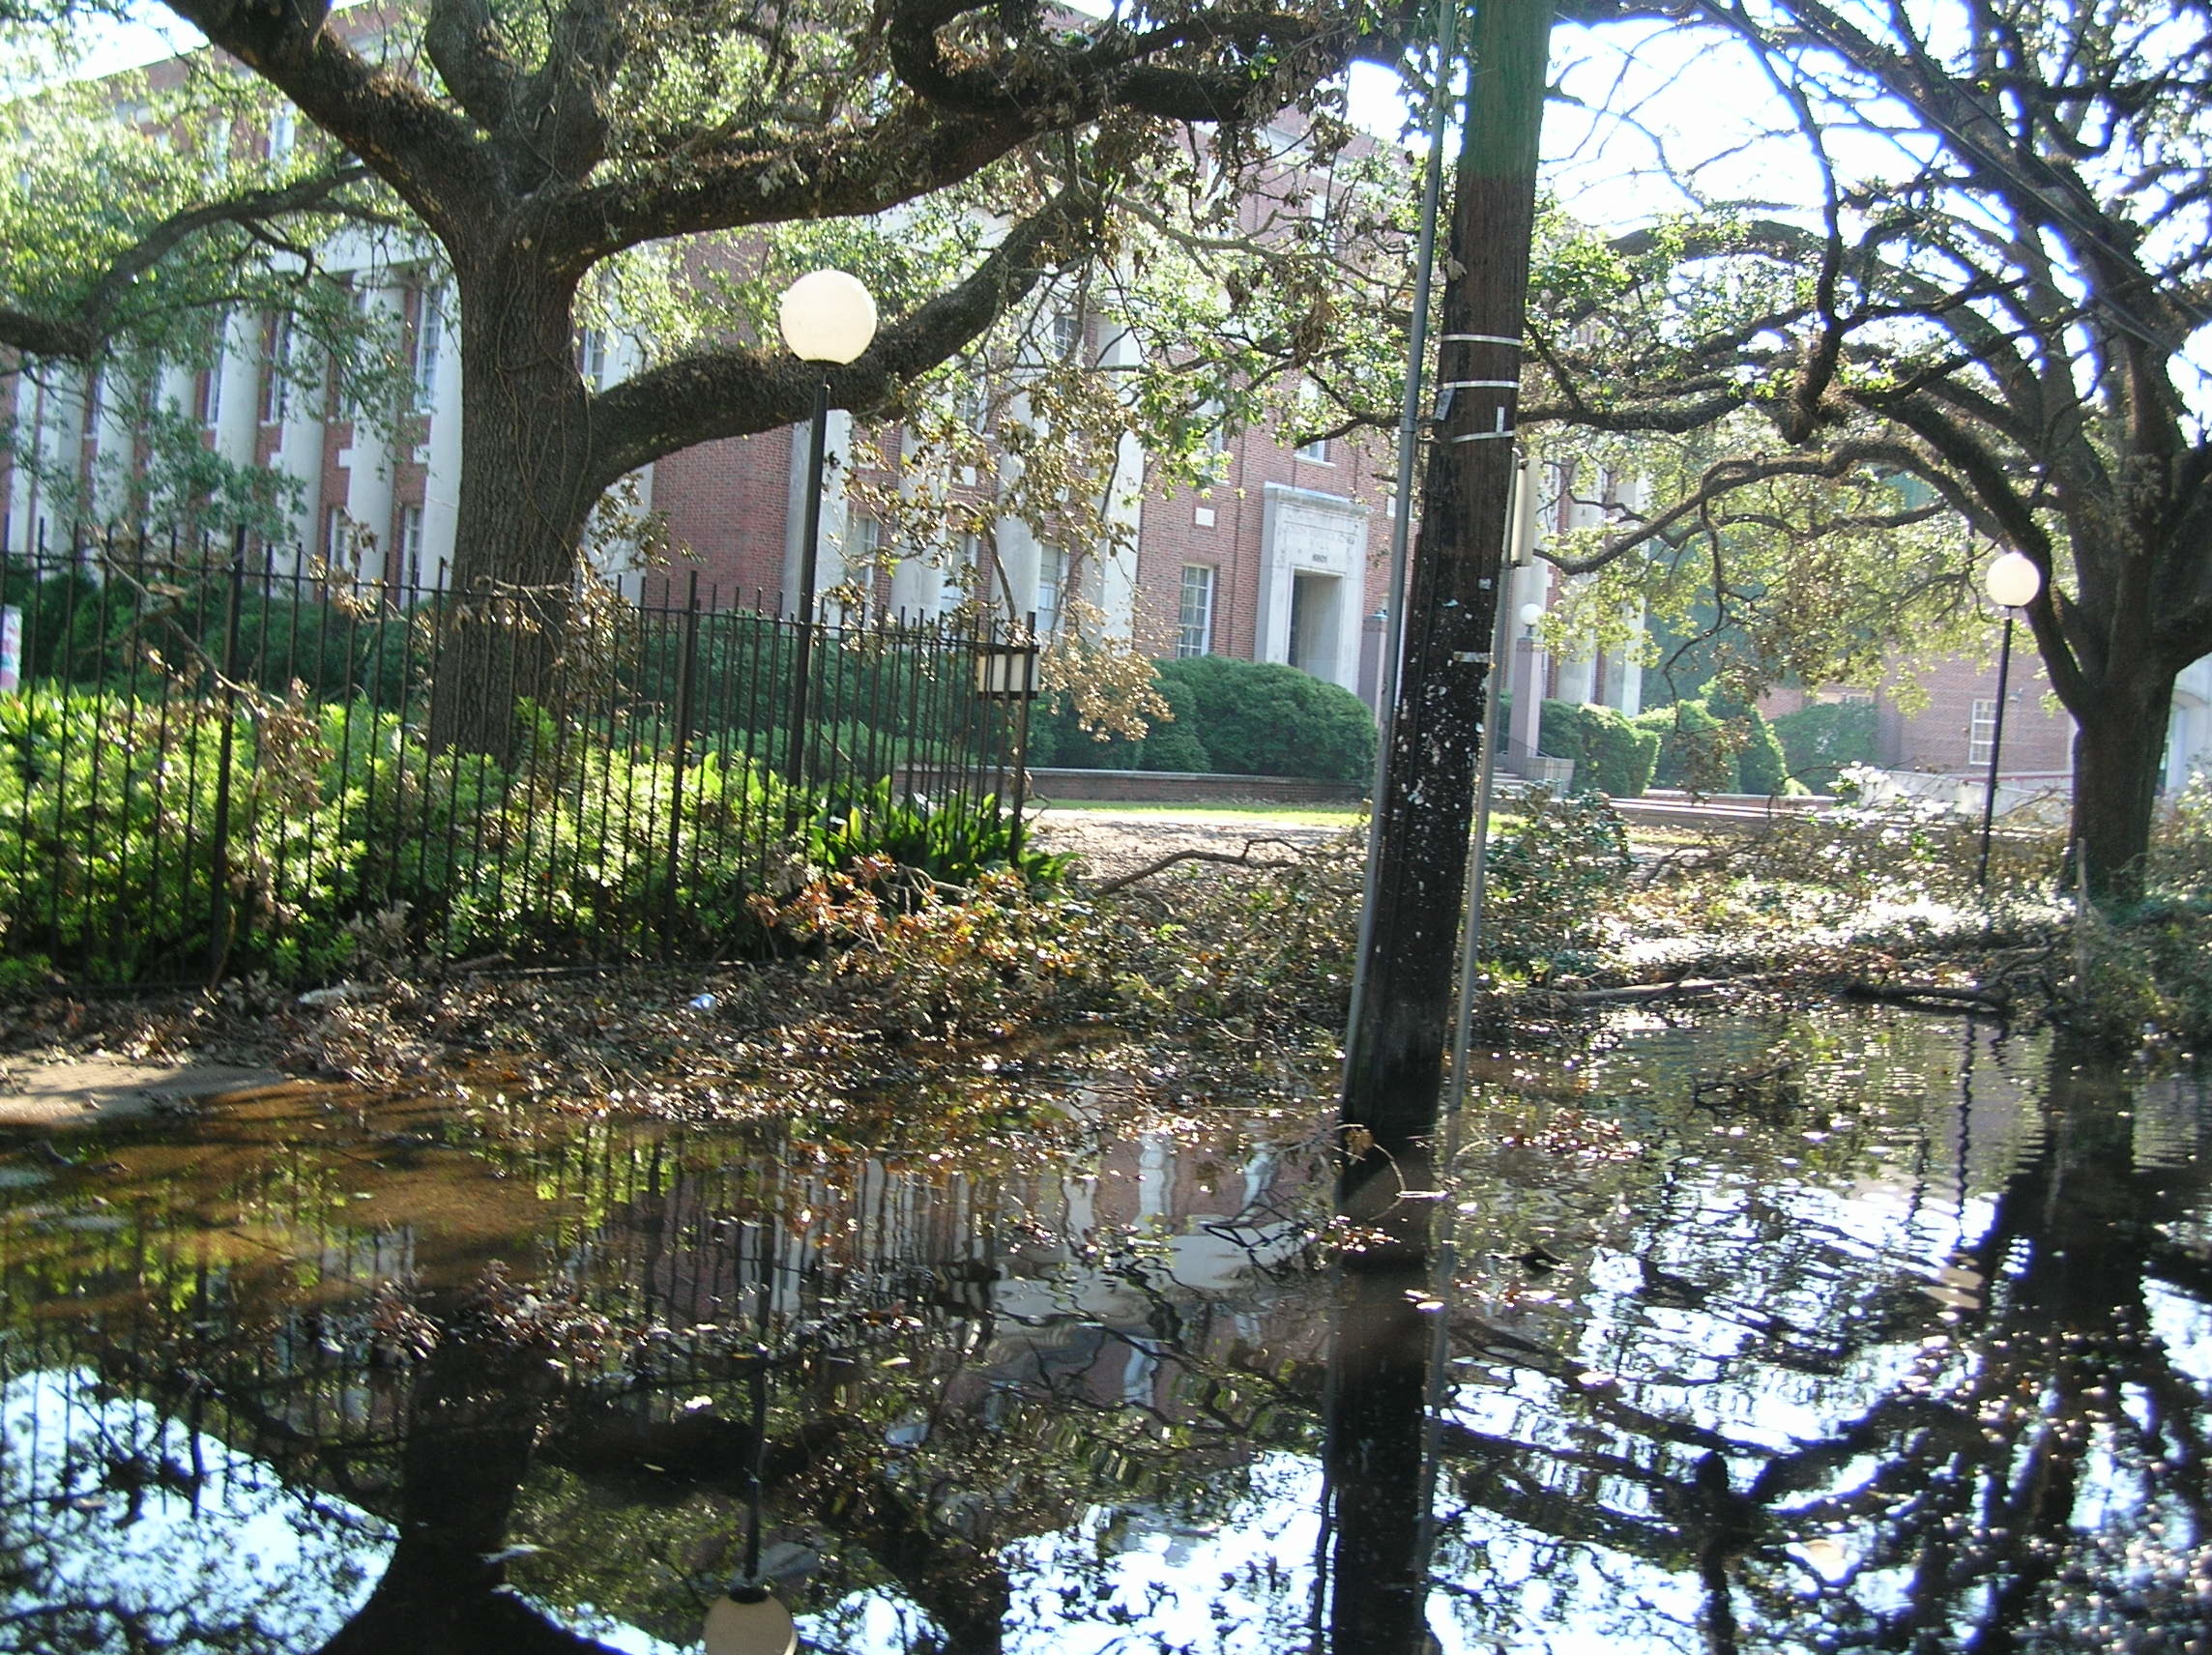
<point>218,861</point>
<point>686,667</point>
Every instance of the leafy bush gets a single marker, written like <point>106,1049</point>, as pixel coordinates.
<point>1761,767</point>
<point>1695,751</point>
<point>337,815</point>
<point>1612,756</point>
<point>1551,882</point>
<point>1230,718</point>
<point>115,805</point>
<point>1264,718</point>
<point>1820,741</point>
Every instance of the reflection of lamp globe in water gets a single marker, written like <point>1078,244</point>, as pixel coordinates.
<point>750,1620</point>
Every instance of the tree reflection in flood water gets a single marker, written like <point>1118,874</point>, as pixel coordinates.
<point>1861,1332</point>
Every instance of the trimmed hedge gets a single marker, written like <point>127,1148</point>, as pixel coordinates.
<point>1695,750</point>
<point>1716,746</point>
<point>1822,741</point>
<point>1229,717</point>
<point>1612,755</point>
<point>1759,764</point>
<point>1265,718</point>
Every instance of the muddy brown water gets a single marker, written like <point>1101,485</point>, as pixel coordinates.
<point>1857,1330</point>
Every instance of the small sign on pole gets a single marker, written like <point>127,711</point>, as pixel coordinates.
<point>10,650</point>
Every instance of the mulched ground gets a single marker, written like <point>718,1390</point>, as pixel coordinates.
<point>1111,843</point>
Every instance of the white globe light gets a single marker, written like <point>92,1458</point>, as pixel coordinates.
<point>2012,581</point>
<point>748,1625</point>
<point>826,317</point>
<point>1531,613</point>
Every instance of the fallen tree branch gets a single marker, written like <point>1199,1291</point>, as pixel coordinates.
<point>1928,997</point>
<point>1241,859</point>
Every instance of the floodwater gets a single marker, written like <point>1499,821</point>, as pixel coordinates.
<point>1854,1331</point>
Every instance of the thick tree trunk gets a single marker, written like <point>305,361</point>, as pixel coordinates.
<point>2119,748</point>
<point>1393,1069</point>
<point>524,499</point>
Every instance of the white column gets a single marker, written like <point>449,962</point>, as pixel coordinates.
<point>837,446</point>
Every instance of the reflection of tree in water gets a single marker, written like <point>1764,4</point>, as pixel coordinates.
<point>918,1426</point>
<point>1754,1432</point>
<point>2029,1474</point>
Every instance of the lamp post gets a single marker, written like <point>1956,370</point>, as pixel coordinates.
<point>1006,671</point>
<point>826,317</point>
<point>2012,583</point>
<point>1527,695</point>
<point>748,1618</point>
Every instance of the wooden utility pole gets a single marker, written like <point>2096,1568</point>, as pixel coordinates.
<point>1394,1058</point>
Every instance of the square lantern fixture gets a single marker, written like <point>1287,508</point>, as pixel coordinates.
<point>1006,672</point>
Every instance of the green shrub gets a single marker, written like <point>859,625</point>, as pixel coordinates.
<point>1174,744</point>
<point>117,803</point>
<point>337,815</point>
<point>1694,750</point>
<point>1820,741</point>
<point>1264,718</point>
<point>1551,882</point>
<point>1611,755</point>
<point>1230,718</point>
<point>1760,766</point>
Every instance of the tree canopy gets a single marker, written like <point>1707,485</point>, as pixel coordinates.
<point>546,156</point>
<point>1971,260</point>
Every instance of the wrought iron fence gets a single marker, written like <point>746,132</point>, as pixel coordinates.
<point>216,757</point>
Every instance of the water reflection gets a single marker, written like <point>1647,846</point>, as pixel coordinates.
<point>1861,1333</point>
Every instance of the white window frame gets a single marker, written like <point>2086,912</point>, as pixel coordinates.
<point>429,344</point>
<point>1981,732</point>
<point>275,383</point>
<point>211,389</point>
<point>592,356</point>
<point>1051,584</point>
<point>410,547</point>
<point>1194,630</point>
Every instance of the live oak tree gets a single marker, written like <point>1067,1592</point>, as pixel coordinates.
<point>535,146</point>
<point>1981,303</point>
<point>139,230</point>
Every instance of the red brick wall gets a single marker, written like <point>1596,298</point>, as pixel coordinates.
<point>727,504</point>
<point>2038,735</point>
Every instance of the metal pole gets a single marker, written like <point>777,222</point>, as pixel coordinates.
<point>1402,511</point>
<point>219,918</point>
<point>1997,746</point>
<point>809,554</point>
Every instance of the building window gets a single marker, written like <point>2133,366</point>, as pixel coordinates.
<point>1052,576</point>
<point>283,136</point>
<point>970,577</point>
<point>211,382</point>
<point>429,341</point>
<point>410,547</point>
<point>1066,334</point>
<point>592,357</point>
<point>972,407</point>
<point>276,390</point>
<point>1194,622</point>
<point>1311,412</point>
<point>863,542</point>
<point>335,541</point>
<point>1982,732</point>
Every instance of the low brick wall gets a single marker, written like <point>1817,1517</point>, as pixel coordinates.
<point>1164,787</point>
